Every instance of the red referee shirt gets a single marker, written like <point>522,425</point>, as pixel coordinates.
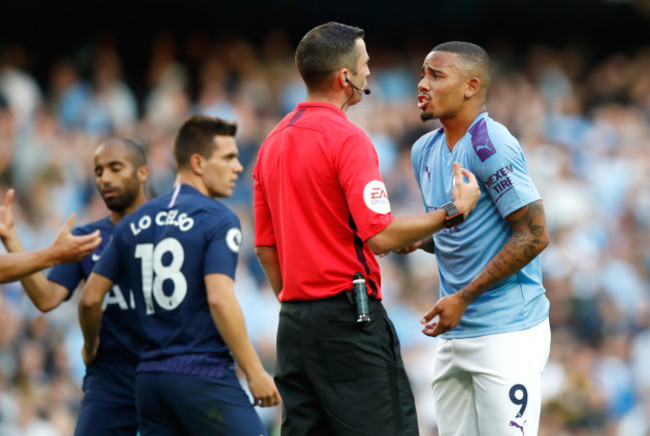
<point>318,197</point>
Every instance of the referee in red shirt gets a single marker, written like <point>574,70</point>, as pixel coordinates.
<point>321,215</point>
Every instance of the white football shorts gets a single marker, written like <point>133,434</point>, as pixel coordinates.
<point>491,385</point>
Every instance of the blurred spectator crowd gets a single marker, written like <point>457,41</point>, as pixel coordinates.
<point>583,122</point>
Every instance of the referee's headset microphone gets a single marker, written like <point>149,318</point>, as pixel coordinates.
<point>356,88</point>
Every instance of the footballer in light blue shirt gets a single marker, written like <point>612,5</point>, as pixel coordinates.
<point>494,156</point>
<point>492,315</point>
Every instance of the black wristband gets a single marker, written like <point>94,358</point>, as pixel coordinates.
<point>454,216</point>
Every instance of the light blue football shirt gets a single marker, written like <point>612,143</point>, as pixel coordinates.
<point>495,157</point>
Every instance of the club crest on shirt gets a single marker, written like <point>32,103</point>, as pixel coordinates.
<point>233,239</point>
<point>375,197</point>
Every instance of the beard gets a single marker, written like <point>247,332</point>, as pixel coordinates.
<point>118,203</point>
<point>125,198</point>
<point>426,116</point>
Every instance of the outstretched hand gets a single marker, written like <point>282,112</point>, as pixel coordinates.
<point>465,194</point>
<point>449,310</point>
<point>68,248</point>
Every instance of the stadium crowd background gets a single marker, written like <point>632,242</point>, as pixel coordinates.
<point>580,107</point>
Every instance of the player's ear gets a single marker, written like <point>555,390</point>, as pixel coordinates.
<point>143,173</point>
<point>196,163</point>
<point>472,87</point>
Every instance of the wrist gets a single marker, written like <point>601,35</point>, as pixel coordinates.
<point>467,296</point>
<point>252,367</point>
<point>50,254</point>
<point>11,241</point>
<point>89,347</point>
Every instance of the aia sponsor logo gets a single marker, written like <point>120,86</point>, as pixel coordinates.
<point>375,197</point>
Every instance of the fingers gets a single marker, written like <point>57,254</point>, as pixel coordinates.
<point>90,241</point>
<point>269,400</point>
<point>470,175</point>
<point>70,223</point>
<point>434,329</point>
<point>87,243</point>
<point>430,315</point>
<point>459,172</point>
<point>430,330</point>
<point>9,198</point>
<point>437,327</point>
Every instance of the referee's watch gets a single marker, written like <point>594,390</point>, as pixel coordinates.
<point>454,216</point>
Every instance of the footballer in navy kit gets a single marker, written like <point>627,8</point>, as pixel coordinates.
<point>179,253</point>
<point>109,394</point>
<point>108,407</point>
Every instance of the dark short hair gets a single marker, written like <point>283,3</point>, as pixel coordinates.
<point>474,55</point>
<point>325,49</point>
<point>196,136</point>
<point>134,149</point>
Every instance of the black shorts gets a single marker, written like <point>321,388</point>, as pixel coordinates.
<point>337,378</point>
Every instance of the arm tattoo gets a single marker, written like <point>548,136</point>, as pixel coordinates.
<point>528,239</point>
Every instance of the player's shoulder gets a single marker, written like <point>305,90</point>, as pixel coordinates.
<point>497,130</point>
<point>191,202</point>
<point>489,137</point>
<point>224,213</point>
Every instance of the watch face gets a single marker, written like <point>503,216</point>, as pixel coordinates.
<point>454,216</point>
<point>454,220</point>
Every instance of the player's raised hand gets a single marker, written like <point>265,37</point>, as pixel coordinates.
<point>263,389</point>
<point>449,310</point>
<point>6,215</point>
<point>70,248</point>
<point>465,193</point>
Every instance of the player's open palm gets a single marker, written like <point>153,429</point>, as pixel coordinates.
<point>465,194</point>
<point>448,311</point>
<point>70,248</point>
<point>263,389</point>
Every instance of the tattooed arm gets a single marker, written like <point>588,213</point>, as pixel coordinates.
<point>529,238</point>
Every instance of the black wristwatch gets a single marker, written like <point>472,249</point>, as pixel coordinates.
<point>454,216</point>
